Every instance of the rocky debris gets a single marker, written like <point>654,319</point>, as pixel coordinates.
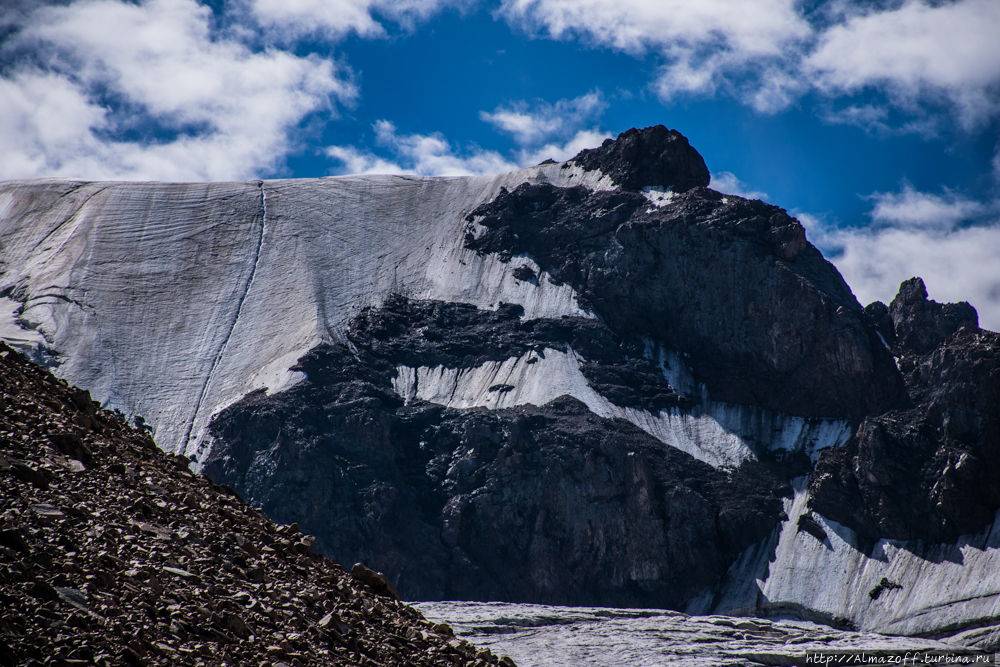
<point>523,273</point>
<point>131,559</point>
<point>547,504</point>
<point>653,157</point>
<point>808,524</point>
<point>761,316</point>
<point>930,471</point>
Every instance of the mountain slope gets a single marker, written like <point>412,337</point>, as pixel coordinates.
<point>114,553</point>
<point>591,382</point>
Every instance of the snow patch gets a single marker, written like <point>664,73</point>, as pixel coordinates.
<point>720,434</point>
<point>568,174</point>
<point>943,585</point>
<point>11,331</point>
<point>462,275</point>
<point>657,195</point>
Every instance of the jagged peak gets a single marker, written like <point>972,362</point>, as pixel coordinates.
<point>651,157</point>
<point>921,324</point>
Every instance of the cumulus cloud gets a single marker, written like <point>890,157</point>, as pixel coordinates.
<point>434,155</point>
<point>727,183</point>
<point>920,48</point>
<point>293,19</point>
<point>769,53</point>
<point>698,41</point>
<point>919,234</point>
<point>532,125</point>
<point>545,131</point>
<point>112,89</point>
<point>911,208</point>
<point>421,154</point>
<point>560,152</point>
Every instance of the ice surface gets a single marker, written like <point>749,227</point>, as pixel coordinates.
<point>173,300</point>
<point>546,636</point>
<point>720,434</point>
<point>11,331</point>
<point>943,585</point>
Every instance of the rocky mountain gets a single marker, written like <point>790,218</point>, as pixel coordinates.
<point>594,382</point>
<point>113,553</point>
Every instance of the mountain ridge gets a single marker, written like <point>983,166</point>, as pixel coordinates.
<point>452,349</point>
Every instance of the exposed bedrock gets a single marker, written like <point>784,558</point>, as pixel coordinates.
<point>544,504</point>
<point>653,157</point>
<point>931,471</point>
<point>763,318</point>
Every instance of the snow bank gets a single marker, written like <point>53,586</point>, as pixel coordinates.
<point>944,589</point>
<point>720,434</point>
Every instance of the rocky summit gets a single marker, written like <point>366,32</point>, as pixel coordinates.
<point>113,553</point>
<point>596,382</point>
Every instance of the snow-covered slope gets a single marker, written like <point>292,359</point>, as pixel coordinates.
<point>719,434</point>
<point>171,301</point>
<point>893,587</point>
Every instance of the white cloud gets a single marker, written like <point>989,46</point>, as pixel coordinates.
<point>562,152</point>
<point>545,131</point>
<point>769,53</point>
<point>219,110</point>
<point>727,183</point>
<point>356,161</point>
<point>336,18</point>
<point>422,154</point>
<point>919,234</point>
<point>530,126</point>
<point>433,155</point>
<point>948,49</point>
<point>759,27</point>
<point>911,208</point>
<point>699,41</point>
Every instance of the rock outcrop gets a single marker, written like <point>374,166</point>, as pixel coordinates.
<point>551,504</point>
<point>654,157</point>
<point>113,553</point>
<point>762,318</point>
<point>930,470</point>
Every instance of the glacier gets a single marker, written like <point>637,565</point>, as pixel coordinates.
<point>549,636</point>
<point>172,301</point>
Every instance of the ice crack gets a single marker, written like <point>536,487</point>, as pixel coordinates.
<point>232,327</point>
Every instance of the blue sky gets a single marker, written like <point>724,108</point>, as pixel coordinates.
<point>875,122</point>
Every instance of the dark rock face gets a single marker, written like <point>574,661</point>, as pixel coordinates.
<point>428,333</point>
<point>733,283</point>
<point>932,471</point>
<point>544,504</point>
<point>651,157</point>
<point>554,504</point>
<point>921,325</point>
